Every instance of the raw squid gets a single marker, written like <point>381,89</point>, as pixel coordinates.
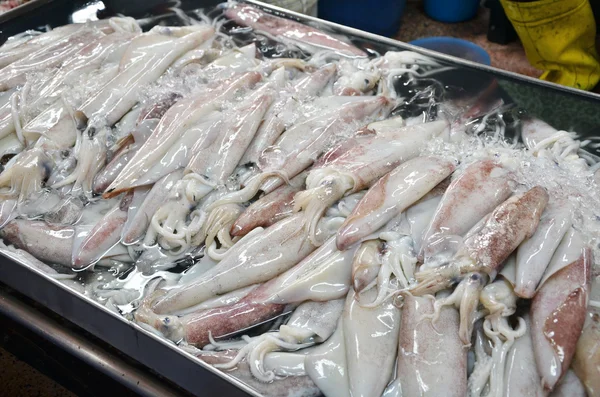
<point>391,195</point>
<point>562,299</point>
<point>587,356</point>
<point>425,350</point>
<point>473,194</point>
<point>297,33</point>
<point>368,348</point>
<point>305,215</point>
<point>359,162</point>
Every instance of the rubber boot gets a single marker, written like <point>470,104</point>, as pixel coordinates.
<point>559,37</point>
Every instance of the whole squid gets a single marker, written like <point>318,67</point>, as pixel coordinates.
<point>391,195</point>
<point>561,299</point>
<point>358,162</point>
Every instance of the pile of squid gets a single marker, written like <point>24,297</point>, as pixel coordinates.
<point>286,220</point>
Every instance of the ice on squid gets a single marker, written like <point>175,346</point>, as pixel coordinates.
<point>360,161</point>
<point>147,57</point>
<point>391,195</point>
<point>474,193</point>
<point>301,144</point>
<point>56,127</point>
<point>176,121</point>
<point>288,101</point>
<point>18,48</point>
<point>286,30</point>
<point>106,50</point>
<point>49,56</point>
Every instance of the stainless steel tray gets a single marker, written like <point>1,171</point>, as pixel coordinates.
<point>563,107</point>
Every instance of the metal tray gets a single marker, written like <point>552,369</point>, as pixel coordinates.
<point>563,107</point>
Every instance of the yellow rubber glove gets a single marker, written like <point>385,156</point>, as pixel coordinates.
<point>559,37</point>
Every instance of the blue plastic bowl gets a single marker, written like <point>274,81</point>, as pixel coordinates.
<point>381,17</point>
<point>456,47</point>
<point>451,10</point>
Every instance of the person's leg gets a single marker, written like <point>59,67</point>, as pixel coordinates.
<point>559,37</point>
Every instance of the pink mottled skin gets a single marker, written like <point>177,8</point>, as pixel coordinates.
<point>267,210</point>
<point>489,243</point>
<point>255,18</point>
<point>105,234</point>
<point>475,193</point>
<point>391,195</point>
<point>49,243</point>
<point>558,313</point>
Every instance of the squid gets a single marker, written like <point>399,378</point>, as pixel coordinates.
<point>17,48</point>
<point>287,30</point>
<point>176,121</point>
<point>370,335</point>
<point>25,257</point>
<point>49,243</point>
<point>268,209</point>
<point>105,234</point>
<point>489,243</point>
<point>521,374</point>
<point>275,122</point>
<point>53,55</point>
<point>586,360</point>
<point>535,253</point>
<point>301,144</point>
<point>326,364</point>
<point>262,257</point>
<point>569,386</point>
<point>472,194</point>
<point>293,385</point>
<point>501,302</point>
<point>391,195</point>
<point>424,351</point>
<point>359,162</point>
<point>25,174</point>
<point>326,267</point>
<point>311,323</point>
<point>561,299</point>
<point>147,57</point>
<point>146,202</point>
<point>321,276</point>
<point>197,328</point>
